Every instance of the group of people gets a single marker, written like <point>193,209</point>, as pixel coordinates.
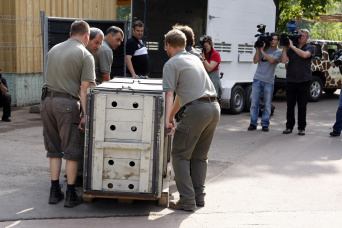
<point>84,60</point>
<point>190,81</point>
<point>298,77</point>
<point>102,47</point>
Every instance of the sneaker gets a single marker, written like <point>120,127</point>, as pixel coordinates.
<point>287,131</point>
<point>301,132</point>
<point>6,119</point>
<point>265,129</point>
<point>176,205</point>
<point>72,199</point>
<point>56,195</point>
<point>252,127</point>
<point>334,133</point>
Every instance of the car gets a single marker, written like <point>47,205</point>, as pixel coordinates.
<point>325,76</point>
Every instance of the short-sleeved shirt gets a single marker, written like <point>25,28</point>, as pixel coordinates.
<point>140,59</point>
<point>298,68</point>
<point>68,64</point>
<point>103,60</point>
<point>215,56</point>
<point>185,75</point>
<point>265,70</point>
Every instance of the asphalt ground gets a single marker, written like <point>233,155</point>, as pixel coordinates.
<point>255,179</point>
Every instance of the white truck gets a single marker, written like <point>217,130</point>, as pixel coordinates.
<point>232,25</point>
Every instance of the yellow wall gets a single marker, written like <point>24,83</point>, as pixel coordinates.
<point>24,51</point>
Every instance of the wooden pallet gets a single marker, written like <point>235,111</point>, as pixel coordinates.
<point>129,198</point>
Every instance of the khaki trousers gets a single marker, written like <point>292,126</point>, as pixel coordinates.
<point>192,140</point>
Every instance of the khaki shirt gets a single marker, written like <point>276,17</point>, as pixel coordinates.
<point>184,74</point>
<point>68,64</point>
<point>103,60</point>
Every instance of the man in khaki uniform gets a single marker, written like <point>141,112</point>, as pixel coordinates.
<point>104,56</point>
<point>185,75</point>
<point>70,71</point>
<point>95,40</point>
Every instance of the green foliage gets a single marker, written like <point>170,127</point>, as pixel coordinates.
<point>327,31</point>
<point>288,9</point>
<point>123,13</point>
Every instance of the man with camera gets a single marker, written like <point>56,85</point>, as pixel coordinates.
<point>267,59</point>
<point>184,74</point>
<point>298,77</point>
<point>338,124</point>
<point>5,100</point>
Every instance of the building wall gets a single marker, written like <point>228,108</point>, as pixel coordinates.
<point>20,27</point>
<point>21,49</point>
<point>25,89</point>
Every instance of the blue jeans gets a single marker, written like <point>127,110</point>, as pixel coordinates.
<point>338,124</point>
<point>258,89</point>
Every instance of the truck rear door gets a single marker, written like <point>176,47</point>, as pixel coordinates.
<point>56,30</point>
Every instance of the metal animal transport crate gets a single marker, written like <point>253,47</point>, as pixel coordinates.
<point>127,150</point>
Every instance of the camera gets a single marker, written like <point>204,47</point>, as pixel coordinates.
<point>285,39</point>
<point>337,57</point>
<point>262,37</point>
<point>202,40</point>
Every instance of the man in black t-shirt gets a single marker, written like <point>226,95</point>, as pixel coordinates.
<point>298,77</point>
<point>137,60</point>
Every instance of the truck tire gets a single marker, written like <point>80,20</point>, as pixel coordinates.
<point>316,88</point>
<point>329,90</point>
<point>237,100</point>
<point>248,98</point>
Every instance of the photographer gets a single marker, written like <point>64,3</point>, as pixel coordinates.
<point>212,60</point>
<point>298,77</point>
<point>338,124</point>
<point>263,82</point>
<point>5,99</point>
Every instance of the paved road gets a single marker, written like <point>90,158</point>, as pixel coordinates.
<point>256,179</point>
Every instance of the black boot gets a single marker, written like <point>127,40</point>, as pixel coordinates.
<point>72,199</point>
<point>56,195</point>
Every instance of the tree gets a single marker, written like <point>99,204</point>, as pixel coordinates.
<point>288,9</point>
<point>328,30</point>
<point>123,13</point>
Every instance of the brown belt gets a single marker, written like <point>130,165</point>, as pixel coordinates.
<point>62,95</point>
<point>202,100</point>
